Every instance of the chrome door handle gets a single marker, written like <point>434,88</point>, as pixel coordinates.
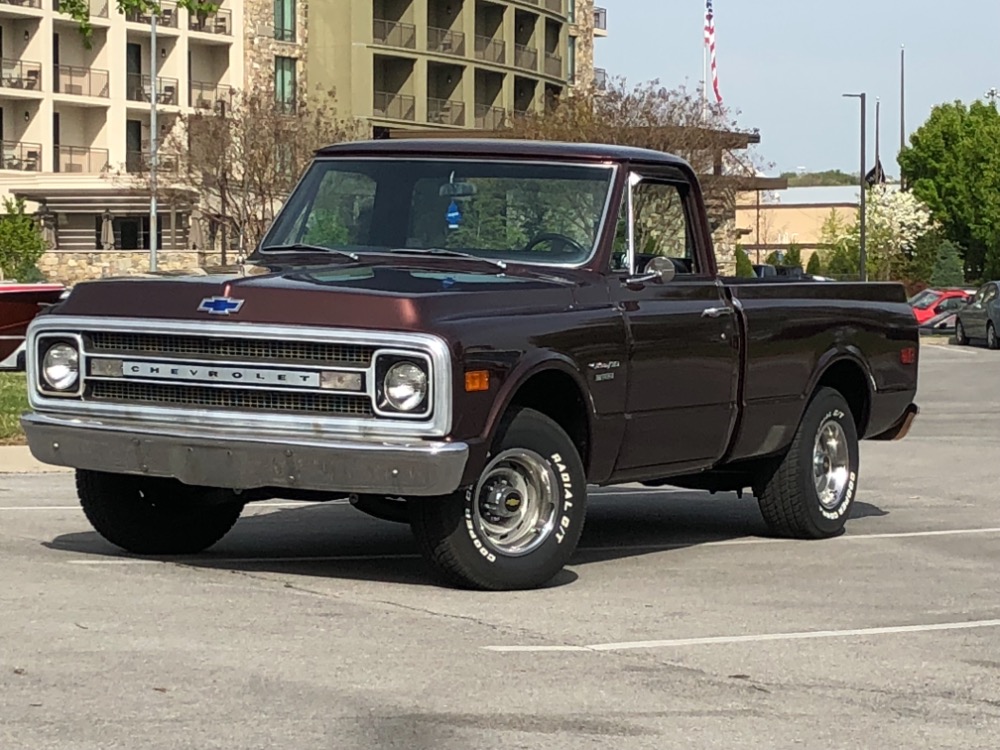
<point>716,312</point>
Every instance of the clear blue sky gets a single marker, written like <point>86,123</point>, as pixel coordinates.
<point>783,65</point>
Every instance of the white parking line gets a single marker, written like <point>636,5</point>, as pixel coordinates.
<point>616,548</point>
<point>723,640</point>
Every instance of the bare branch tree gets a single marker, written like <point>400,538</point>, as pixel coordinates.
<point>242,160</point>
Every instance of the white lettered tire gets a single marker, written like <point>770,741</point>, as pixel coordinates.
<point>812,491</point>
<point>519,525</point>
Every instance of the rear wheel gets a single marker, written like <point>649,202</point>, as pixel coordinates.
<point>518,526</point>
<point>153,516</point>
<point>812,491</point>
<point>991,337</point>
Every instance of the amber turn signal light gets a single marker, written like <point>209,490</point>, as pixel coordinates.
<point>477,380</point>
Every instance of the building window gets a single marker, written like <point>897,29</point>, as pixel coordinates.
<point>284,20</point>
<point>571,61</point>
<point>284,83</point>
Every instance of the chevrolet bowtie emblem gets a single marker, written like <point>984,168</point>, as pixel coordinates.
<point>220,305</point>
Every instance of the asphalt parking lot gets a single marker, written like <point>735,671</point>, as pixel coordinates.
<point>679,624</point>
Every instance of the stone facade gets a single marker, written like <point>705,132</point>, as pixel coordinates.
<point>583,29</point>
<point>69,268</point>
<point>260,46</point>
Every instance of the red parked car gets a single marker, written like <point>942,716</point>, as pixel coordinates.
<point>932,302</point>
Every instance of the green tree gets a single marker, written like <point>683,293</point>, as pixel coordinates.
<point>744,268</point>
<point>772,259</point>
<point>948,267</point>
<point>793,256</point>
<point>843,262</point>
<point>21,242</point>
<point>79,11</point>
<point>815,265</point>
<point>953,165</point>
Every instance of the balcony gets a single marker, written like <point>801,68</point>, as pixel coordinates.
<point>395,106</point>
<point>209,95</point>
<point>525,57</point>
<point>491,50</point>
<point>601,21</point>
<point>80,159</point>
<point>553,65</point>
<point>556,6</point>
<point>489,118</point>
<point>446,42</point>
<point>37,4</point>
<point>220,22</point>
<point>23,157</point>
<point>446,112</point>
<point>394,34</point>
<point>166,19</point>
<point>139,162</point>
<point>140,89</point>
<point>98,8</point>
<point>78,81</point>
<point>21,74</point>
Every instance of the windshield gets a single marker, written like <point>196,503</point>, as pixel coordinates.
<point>924,299</point>
<point>496,210</point>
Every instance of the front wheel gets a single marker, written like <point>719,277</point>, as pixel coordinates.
<point>960,338</point>
<point>153,516</point>
<point>812,491</point>
<point>991,337</point>
<point>518,526</point>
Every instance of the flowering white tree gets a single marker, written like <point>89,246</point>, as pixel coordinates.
<point>896,221</point>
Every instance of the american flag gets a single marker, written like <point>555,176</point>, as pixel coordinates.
<point>710,41</point>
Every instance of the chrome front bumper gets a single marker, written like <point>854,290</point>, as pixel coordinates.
<point>212,457</point>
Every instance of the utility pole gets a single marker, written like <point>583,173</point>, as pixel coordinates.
<point>864,160</point>
<point>153,143</point>
<point>992,95</point>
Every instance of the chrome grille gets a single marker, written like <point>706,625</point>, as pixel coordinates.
<point>158,394</point>
<point>247,349</point>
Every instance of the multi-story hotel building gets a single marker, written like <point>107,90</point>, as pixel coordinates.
<point>76,113</point>
<point>450,63</point>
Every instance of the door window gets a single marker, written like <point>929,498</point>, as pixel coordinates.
<point>661,227</point>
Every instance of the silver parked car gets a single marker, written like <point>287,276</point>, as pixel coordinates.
<point>980,318</point>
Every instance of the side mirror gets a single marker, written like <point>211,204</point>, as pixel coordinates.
<point>659,269</point>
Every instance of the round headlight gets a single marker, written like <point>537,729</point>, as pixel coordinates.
<point>61,366</point>
<point>405,386</point>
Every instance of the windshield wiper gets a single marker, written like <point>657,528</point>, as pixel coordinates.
<point>448,253</point>
<point>299,246</point>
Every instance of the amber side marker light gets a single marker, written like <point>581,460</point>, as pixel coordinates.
<point>908,355</point>
<point>477,380</point>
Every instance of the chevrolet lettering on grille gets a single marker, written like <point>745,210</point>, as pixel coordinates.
<point>204,374</point>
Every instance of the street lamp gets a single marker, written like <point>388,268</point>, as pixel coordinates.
<point>864,161</point>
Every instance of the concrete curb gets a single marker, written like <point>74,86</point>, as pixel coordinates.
<point>17,459</point>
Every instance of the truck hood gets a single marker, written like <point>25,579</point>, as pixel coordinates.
<point>408,294</point>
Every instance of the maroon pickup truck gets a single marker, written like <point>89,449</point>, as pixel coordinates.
<point>466,335</point>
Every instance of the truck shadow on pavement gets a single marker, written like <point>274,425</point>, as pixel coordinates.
<point>337,541</point>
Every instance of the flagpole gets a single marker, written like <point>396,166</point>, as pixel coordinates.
<point>878,138</point>
<point>704,70</point>
<point>902,97</point>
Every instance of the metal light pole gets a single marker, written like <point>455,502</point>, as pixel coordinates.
<point>153,145</point>
<point>864,161</point>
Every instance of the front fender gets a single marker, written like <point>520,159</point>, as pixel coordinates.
<point>533,363</point>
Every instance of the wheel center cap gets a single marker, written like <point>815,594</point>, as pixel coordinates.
<point>512,502</point>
